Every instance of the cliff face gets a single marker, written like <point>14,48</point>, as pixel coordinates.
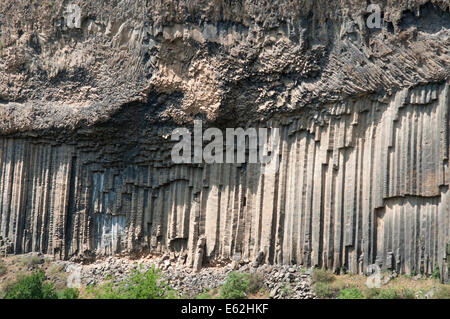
<point>85,112</point>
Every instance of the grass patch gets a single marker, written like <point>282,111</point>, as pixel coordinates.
<point>322,280</point>
<point>255,282</point>
<point>208,294</point>
<point>387,294</point>
<point>236,286</point>
<point>350,293</point>
<point>443,292</point>
<point>407,294</point>
<point>32,286</point>
<point>69,293</point>
<point>242,286</point>
<point>286,290</point>
<point>401,287</point>
<point>371,293</point>
<point>436,273</point>
<point>56,269</point>
<point>31,261</point>
<point>140,285</point>
<point>320,275</point>
<point>205,295</point>
<point>3,269</point>
<point>324,290</point>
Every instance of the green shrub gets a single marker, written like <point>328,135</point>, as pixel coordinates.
<point>3,269</point>
<point>443,292</point>
<point>408,294</point>
<point>7,286</point>
<point>350,293</point>
<point>320,275</point>
<point>371,293</point>
<point>140,285</point>
<point>255,282</point>
<point>323,290</point>
<point>69,293</point>
<point>55,269</point>
<point>376,293</point>
<point>436,273</point>
<point>286,290</point>
<point>31,287</point>
<point>204,295</point>
<point>236,286</point>
<point>31,261</point>
<point>387,294</point>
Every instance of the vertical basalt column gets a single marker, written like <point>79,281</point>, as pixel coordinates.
<point>368,184</point>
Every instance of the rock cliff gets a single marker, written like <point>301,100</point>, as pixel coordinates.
<point>86,113</point>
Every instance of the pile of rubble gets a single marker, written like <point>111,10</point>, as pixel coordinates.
<point>293,282</point>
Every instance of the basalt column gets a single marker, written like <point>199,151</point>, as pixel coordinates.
<point>366,183</point>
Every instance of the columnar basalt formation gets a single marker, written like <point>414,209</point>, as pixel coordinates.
<point>368,185</point>
<point>86,117</point>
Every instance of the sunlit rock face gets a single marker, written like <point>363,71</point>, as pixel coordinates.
<point>86,113</point>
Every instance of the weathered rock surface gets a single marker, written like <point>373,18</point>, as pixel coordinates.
<point>85,165</point>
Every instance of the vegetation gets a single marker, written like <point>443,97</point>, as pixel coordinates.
<point>320,275</point>
<point>323,290</point>
<point>436,273</point>
<point>3,269</point>
<point>69,293</point>
<point>255,282</point>
<point>407,294</point>
<point>286,290</point>
<point>47,280</point>
<point>351,286</point>
<point>443,292</point>
<point>31,261</point>
<point>56,269</point>
<point>371,293</point>
<point>140,285</point>
<point>350,293</point>
<point>321,283</point>
<point>236,287</point>
<point>205,295</point>
<point>31,287</point>
<point>387,294</point>
<point>374,293</point>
